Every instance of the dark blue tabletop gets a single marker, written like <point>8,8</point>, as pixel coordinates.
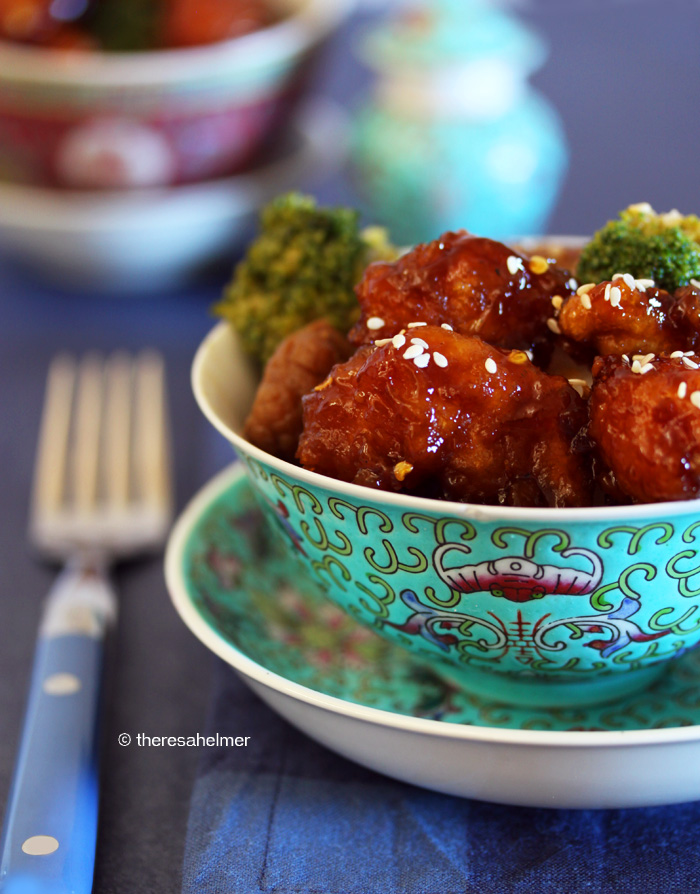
<point>625,77</point>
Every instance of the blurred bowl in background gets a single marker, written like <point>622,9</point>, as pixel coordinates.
<point>98,120</point>
<point>142,240</point>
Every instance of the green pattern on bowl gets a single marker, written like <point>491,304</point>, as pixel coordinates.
<point>568,601</point>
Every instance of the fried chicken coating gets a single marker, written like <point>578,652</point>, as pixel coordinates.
<point>438,414</point>
<point>478,286</point>
<point>299,363</point>
<point>685,312</point>
<point>645,425</point>
<point>624,316</point>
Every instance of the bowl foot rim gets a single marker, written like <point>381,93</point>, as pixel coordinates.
<point>542,693</point>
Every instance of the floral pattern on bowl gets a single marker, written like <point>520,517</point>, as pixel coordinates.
<point>410,573</point>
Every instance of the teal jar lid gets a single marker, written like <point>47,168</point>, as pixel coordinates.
<point>446,33</point>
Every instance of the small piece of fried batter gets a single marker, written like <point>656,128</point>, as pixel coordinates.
<point>300,362</point>
<point>624,316</point>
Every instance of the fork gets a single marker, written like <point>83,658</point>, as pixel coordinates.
<point>101,493</point>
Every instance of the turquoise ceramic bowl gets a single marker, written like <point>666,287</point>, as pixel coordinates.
<point>529,606</point>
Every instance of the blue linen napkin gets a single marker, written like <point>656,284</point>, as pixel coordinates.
<point>284,815</point>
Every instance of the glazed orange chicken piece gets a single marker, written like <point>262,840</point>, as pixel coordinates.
<point>685,312</point>
<point>189,23</point>
<point>300,361</point>
<point>478,286</point>
<point>439,414</point>
<point>624,316</point>
<point>645,426</point>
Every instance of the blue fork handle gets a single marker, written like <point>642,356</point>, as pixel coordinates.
<point>48,844</point>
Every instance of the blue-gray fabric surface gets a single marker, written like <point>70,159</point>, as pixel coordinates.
<point>287,816</point>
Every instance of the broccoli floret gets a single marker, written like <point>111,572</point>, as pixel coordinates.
<point>662,247</point>
<point>124,25</point>
<point>303,265</point>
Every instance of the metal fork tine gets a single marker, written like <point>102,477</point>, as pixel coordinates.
<point>150,436</point>
<point>86,453</point>
<point>52,451</point>
<point>116,471</point>
<point>103,477</point>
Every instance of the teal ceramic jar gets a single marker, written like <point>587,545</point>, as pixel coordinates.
<point>532,606</point>
<point>453,135</point>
